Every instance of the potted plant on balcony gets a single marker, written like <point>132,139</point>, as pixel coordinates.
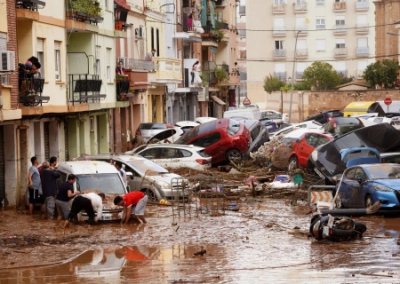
<point>221,74</point>
<point>85,7</point>
<point>217,34</point>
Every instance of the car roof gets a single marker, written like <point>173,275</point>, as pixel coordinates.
<point>87,167</point>
<point>389,154</point>
<point>175,146</point>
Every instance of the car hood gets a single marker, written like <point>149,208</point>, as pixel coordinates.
<point>391,183</point>
<point>163,177</point>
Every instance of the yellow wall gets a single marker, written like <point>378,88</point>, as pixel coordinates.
<point>3,16</point>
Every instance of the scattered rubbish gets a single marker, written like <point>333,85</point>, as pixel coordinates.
<point>164,202</point>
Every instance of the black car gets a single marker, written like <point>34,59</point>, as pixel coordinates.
<point>326,160</point>
<point>258,134</point>
<point>323,117</point>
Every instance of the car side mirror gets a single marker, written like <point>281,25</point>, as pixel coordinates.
<point>359,180</point>
<point>129,175</point>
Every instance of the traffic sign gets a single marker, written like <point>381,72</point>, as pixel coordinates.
<point>246,101</point>
<point>387,101</point>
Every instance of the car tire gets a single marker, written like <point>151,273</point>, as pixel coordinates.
<point>368,201</point>
<point>151,195</point>
<point>293,164</point>
<point>233,155</point>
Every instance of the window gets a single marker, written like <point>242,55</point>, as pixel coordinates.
<point>158,42</point>
<point>152,38</point>
<point>185,153</point>
<point>351,174</point>
<point>311,139</point>
<point>341,68</point>
<point>98,50</point>
<point>150,153</point>
<point>320,24</point>
<point>321,141</point>
<point>108,65</point>
<point>340,43</point>
<point>361,66</point>
<point>279,24</point>
<point>279,44</point>
<point>301,23</point>
<point>169,153</point>
<point>40,55</point>
<point>320,45</point>
<point>57,47</point>
<point>362,20</point>
<point>255,132</point>
<point>207,140</point>
<point>362,42</point>
<point>320,2</point>
<point>3,47</point>
<point>106,4</point>
<point>279,2</point>
<point>340,21</point>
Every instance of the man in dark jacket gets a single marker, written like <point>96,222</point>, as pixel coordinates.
<point>49,178</point>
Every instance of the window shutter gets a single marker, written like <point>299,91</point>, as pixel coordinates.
<point>57,45</point>
<point>40,45</point>
<point>3,41</point>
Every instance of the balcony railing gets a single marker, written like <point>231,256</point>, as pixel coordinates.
<point>362,6</point>
<point>84,88</point>
<point>122,89</point>
<point>32,5</point>
<point>339,6</point>
<point>300,7</point>
<point>343,73</point>
<point>279,53</point>
<point>280,75</point>
<point>140,65</point>
<point>362,51</point>
<point>169,68</point>
<point>220,3</point>
<point>242,33</point>
<point>301,52</point>
<point>243,76</point>
<point>278,8</point>
<point>30,91</point>
<point>242,10</point>
<point>362,29</point>
<point>339,29</point>
<point>340,52</point>
<point>279,31</point>
<point>303,30</point>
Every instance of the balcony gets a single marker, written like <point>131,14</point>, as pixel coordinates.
<point>278,9</point>
<point>299,75</point>
<point>339,30</point>
<point>279,53</point>
<point>362,29</point>
<point>362,6</point>
<point>302,53</point>
<point>343,73</point>
<point>191,33</point>
<point>242,11</point>
<point>279,31</point>
<point>303,30</point>
<point>138,80</point>
<point>220,3</point>
<point>30,92</point>
<point>122,89</point>
<point>340,52</point>
<point>209,37</point>
<point>84,88</point>
<point>362,51</point>
<point>169,70</point>
<point>28,9</point>
<point>280,75</point>
<point>339,7</point>
<point>82,18</point>
<point>139,65</point>
<point>300,8</point>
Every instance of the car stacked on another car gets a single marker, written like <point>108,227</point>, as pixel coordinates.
<point>341,125</point>
<point>223,139</point>
<point>324,116</point>
<point>147,130</point>
<point>175,156</point>
<point>258,134</point>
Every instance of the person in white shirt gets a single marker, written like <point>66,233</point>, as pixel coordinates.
<point>118,166</point>
<point>89,202</point>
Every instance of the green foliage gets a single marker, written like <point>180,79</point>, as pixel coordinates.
<point>272,84</point>
<point>286,88</point>
<point>382,74</point>
<point>86,6</point>
<point>218,34</point>
<point>321,76</point>
<point>221,74</point>
<point>301,86</point>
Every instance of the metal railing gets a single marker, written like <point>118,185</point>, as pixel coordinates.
<point>141,65</point>
<point>362,28</point>
<point>32,5</point>
<point>278,8</point>
<point>279,30</point>
<point>279,53</point>
<point>300,7</point>
<point>362,51</point>
<point>302,52</point>
<point>84,88</point>
<point>341,51</point>
<point>339,29</point>
<point>81,16</point>
<point>362,6</point>
<point>339,6</point>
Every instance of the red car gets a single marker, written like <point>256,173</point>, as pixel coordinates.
<point>223,139</point>
<point>303,148</point>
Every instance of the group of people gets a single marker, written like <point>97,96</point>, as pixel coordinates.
<point>26,71</point>
<point>44,190</point>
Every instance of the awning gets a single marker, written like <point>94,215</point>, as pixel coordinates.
<point>218,100</point>
<point>188,90</point>
<point>123,4</point>
<point>189,37</point>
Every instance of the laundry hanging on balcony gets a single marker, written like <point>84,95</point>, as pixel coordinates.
<point>204,12</point>
<point>211,13</point>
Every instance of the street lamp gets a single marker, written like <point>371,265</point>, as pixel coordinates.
<point>291,89</point>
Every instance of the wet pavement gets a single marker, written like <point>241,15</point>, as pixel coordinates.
<point>254,245</point>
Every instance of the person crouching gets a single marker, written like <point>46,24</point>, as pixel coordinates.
<point>88,202</point>
<point>134,203</point>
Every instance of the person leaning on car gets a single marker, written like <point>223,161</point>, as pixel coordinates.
<point>134,203</point>
<point>65,193</point>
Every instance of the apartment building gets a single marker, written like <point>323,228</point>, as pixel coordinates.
<point>242,53</point>
<point>284,37</point>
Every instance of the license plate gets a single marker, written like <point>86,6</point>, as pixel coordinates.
<point>319,173</point>
<point>106,217</point>
<point>325,231</point>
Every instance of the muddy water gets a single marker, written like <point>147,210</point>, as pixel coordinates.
<point>250,246</point>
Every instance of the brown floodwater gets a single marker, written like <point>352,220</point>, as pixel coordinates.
<point>254,245</point>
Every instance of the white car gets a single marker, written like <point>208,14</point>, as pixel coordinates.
<point>169,135</point>
<point>204,119</point>
<point>175,155</point>
<point>312,124</point>
<point>186,125</point>
<point>394,121</point>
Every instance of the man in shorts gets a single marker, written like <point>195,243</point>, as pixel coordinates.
<point>65,194</point>
<point>134,203</point>
<point>35,186</point>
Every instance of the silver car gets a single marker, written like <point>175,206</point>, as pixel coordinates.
<point>146,176</point>
<point>147,130</point>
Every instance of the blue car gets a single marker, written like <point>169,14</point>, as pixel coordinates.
<point>363,185</point>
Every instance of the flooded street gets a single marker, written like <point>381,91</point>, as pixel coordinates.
<point>255,245</point>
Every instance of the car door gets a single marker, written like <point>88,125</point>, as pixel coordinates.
<point>169,157</point>
<point>306,147</point>
<point>150,153</point>
<point>346,185</point>
<point>212,143</point>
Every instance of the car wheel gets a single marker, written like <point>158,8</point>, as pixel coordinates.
<point>293,164</point>
<point>151,195</point>
<point>233,155</point>
<point>368,201</point>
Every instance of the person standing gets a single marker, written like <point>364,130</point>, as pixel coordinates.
<point>118,166</point>
<point>149,56</point>
<point>134,203</point>
<point>89,203</point>
<point>65,194</point>
<point>49,178</point>
<point>120,70</point>
<point>35,186</point>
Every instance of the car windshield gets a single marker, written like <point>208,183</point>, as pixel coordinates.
<point>143,165</point>
<point>233,127</point>
<point>383,171</point>
<point>106,183</point>
<point>347,120</point>
<point>145,126</point>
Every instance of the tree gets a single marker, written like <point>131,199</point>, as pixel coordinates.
<point>382,74</point>
<point>272,84</point>
<point>321,76</point>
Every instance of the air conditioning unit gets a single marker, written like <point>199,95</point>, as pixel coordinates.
<point>7,60</point>
<point>139,33</point>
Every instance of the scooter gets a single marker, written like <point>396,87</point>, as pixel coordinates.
<point>334,228</point>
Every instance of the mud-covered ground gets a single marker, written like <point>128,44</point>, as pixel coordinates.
<point>257,244</point>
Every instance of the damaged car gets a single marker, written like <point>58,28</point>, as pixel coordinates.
<point>326,159</point>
